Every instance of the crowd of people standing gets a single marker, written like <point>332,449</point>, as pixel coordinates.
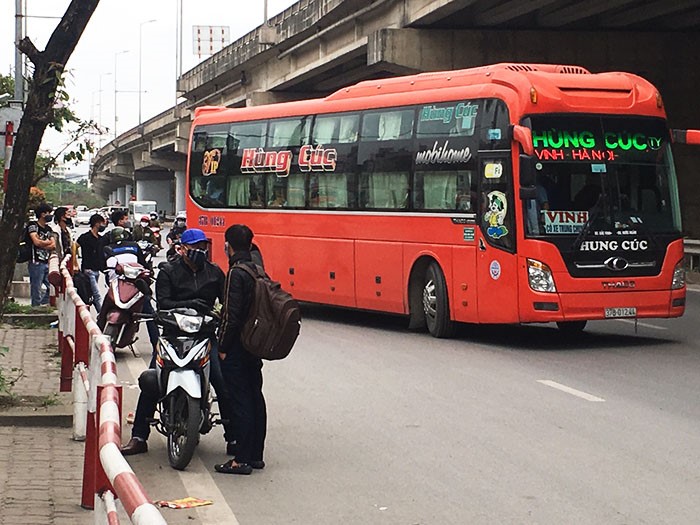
<point>187,279</point>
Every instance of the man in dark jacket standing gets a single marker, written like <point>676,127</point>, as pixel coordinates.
<point>242,371</point>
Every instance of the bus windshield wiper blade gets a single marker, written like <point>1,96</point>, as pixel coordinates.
<point>593,214</point>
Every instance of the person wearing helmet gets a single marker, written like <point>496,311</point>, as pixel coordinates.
<point>173,238</point>
<point>195,282</point>
<point>143,232</point>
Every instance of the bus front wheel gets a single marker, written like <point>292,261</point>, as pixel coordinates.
<point>571,327</point>
<point>436,304</point>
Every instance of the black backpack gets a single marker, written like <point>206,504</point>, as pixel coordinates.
<point>82,285</point>
<point>274,320</point>
<point>24,251</point>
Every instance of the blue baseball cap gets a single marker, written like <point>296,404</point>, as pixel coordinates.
<point>193,236</point>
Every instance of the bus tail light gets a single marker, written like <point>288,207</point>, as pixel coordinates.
<point>539,277</point>
<point>678,276</point>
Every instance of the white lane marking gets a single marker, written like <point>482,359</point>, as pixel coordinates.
<point>645,325</point>
<point>572,391</point>
<point>197,479</point>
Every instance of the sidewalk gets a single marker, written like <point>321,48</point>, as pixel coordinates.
<point>40,465</point>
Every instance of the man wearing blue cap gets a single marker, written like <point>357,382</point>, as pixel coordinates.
<point>190,281</point>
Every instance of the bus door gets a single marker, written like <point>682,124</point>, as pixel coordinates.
<point>497,273</point>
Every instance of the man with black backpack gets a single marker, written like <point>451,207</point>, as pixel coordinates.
<point>242,371</point>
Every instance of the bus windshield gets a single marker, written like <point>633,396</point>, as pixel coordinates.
<point>605,175</point>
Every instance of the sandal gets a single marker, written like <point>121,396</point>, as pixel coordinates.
<point>231,467</point>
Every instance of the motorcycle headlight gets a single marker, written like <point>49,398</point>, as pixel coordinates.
<point>539,277</point>
<point>678,276</point>
<point>188,323</point>
<point>131,272</point>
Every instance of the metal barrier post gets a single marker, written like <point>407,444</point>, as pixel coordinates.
<point>82,340</point>
<point>90,462</point>
<point>80,402</point>
<point>66,362</point>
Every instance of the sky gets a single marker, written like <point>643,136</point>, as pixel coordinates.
<point>111,42</point>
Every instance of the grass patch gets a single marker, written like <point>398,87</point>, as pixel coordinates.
<point>12,307</point>
<point>8,381</point>
<point>48,401</point>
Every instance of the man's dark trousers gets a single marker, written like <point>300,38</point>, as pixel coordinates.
<point>243,378</point>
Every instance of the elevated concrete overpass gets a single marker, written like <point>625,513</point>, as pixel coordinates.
<point>318,46</point>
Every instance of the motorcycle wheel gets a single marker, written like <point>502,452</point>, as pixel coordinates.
<point>185,420</point>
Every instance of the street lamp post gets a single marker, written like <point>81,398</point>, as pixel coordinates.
<point>140,54</point>
<point>99,104</point>
<point>115,88</point>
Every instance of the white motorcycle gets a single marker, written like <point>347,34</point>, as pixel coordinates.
<point>180,381</point>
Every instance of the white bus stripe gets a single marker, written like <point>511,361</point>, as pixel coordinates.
<point>572,391</point>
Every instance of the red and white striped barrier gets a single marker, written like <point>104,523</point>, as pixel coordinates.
<point>104,468</point>
<point>105,509</point>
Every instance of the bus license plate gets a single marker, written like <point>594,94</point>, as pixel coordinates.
<point>615,313</point>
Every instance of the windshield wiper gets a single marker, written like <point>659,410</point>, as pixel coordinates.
<point>593,214</point>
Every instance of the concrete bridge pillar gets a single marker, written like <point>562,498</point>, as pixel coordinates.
<point>129,192</point>
<point>159,190</point>
<point>121,195</point>
<point>180,190</point>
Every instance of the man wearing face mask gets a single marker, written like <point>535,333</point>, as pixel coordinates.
<point>173,237</point>
<point>191,281</point>
<point>91,249</point>
<point>60,225</point>
<point>43,244</point>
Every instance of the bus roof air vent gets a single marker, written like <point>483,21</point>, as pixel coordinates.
<point>521,67</point>
<point>573,70</point>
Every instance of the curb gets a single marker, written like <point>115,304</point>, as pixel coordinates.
<point>59,415</point>
<point>36,318</point>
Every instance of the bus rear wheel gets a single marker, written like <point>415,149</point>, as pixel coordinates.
<point>571,327</point>
<point>436,304</point>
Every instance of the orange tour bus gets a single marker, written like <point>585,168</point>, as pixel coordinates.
<point>510,193</point>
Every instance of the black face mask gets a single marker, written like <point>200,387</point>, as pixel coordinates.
<point>69,223</point>
<point>197,258</point>
<point>48,217</point>
<point>101,228</point>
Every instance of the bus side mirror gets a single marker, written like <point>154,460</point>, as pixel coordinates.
<point>686,136</point>
<point>527,177</point>
<point>523,136</point>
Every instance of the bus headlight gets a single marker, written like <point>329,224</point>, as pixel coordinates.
<point>539,277</point>
<point>678,276</point>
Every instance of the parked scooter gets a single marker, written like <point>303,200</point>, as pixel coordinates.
<point>125,297</point>
<point>180,381</point>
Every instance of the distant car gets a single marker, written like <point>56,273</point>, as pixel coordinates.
<point>83,216</point>
<point>82,207</point>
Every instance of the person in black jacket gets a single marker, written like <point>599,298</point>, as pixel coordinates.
<point>242,370</point>
<point>91,249</point>
<point>189,282</point>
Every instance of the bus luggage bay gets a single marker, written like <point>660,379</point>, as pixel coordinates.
<point>512,193</point>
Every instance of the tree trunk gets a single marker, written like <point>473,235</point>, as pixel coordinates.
<point>38,113</point>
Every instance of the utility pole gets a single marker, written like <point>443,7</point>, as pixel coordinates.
<point>19,79</point>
